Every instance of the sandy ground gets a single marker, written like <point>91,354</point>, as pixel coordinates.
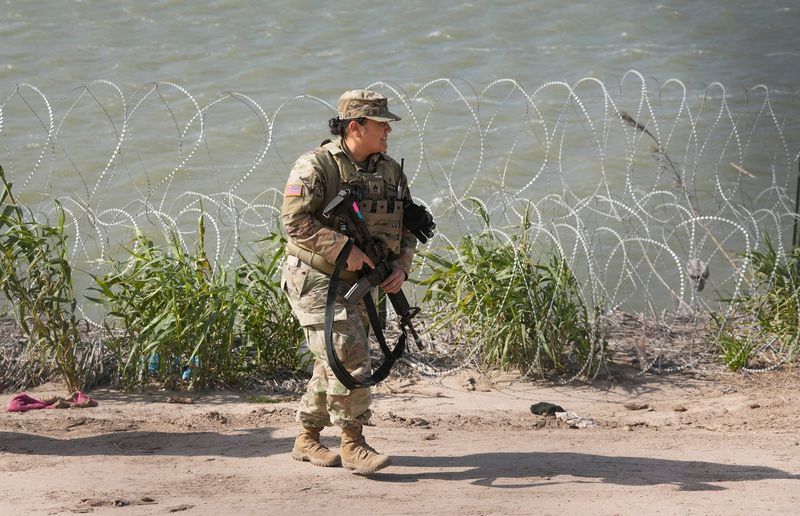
<point>464,444</point>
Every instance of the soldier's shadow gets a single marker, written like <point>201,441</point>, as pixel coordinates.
<point>520,470</point>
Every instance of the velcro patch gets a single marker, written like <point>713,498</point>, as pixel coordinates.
<point>293,190</point>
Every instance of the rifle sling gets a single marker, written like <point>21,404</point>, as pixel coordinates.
<point>330,307</point>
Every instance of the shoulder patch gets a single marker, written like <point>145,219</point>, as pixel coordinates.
<point>293,190</point>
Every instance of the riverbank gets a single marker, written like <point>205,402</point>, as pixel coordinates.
<point>715,443</point>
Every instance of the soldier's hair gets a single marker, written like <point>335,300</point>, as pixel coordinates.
<point>338,126</point>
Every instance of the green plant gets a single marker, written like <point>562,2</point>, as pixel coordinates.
<point>175,312</point>
<point>515,312</point>
<point>774,296</point>
<point>37,278</point>
<point>179,314</point>
<point>736,352</point>
<point>270,333</point>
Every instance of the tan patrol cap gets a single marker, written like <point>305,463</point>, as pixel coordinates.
<point>366,104</point>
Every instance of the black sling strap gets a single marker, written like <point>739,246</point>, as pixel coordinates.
<point>390,356</point>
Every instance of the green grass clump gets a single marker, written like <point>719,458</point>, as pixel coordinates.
<point>177,313</point>
<point>736,352</point>
<point>270,333</point>
<point>515,312</point>
<point>774,300</point>
<point>36,278</point>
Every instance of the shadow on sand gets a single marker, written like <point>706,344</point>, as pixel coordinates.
<point>499,469</point>
<point>253,442</point>
<point>519,470</point>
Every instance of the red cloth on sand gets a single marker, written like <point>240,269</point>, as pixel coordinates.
<point>80,400</point>
<point>22,402</point>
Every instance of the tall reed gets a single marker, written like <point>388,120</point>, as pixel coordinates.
<point>178,314</point>
<point>270,334</point>
<point>36,278</point>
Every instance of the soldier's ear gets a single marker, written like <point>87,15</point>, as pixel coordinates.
<point>354,127</point>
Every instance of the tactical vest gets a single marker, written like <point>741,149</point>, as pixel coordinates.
<point>382,189</point>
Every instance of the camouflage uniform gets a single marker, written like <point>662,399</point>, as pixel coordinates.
<point>314,244</point>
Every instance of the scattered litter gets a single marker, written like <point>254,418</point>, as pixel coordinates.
<point>153,364</point>
<point>22,402</point>
<point>469,384</point>
<point>481,384</point>
<point>543,408</point>
<point>573,420</point>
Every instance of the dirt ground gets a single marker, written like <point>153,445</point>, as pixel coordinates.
<point>463,444</point>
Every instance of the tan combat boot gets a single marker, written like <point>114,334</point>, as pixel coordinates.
<point>308,448</point>
<point>357,455</point>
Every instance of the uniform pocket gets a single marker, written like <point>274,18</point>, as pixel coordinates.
<point>294,281</point>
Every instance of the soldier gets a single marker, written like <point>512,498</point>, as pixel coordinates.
<point>355,159</point>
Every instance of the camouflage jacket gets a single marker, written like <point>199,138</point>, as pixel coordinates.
<point>316,178</point>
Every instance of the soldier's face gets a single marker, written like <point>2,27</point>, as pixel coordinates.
<point>374,136</point>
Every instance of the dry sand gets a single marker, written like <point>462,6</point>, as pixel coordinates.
<point>463,444</point>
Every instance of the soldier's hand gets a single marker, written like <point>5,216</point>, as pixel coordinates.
<point>356,260</point>
<point>394,282</point>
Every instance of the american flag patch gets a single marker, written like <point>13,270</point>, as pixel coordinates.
<point>293,190</point>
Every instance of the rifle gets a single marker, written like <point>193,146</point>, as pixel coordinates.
<point>345,207</point>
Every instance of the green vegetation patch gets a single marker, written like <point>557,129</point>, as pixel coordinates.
<point>515,311</point>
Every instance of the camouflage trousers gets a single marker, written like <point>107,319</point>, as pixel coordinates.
<point>327,402</point>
